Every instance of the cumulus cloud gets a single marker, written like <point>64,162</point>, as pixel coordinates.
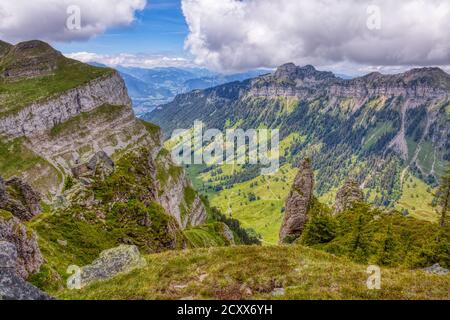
<point>242,34</point>
<point>47,19</point>
<point>132,60</point>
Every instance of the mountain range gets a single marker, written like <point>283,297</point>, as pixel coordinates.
<point>389,132</point>
<point>150,88</point>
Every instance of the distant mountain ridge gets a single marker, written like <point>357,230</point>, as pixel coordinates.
<point>378,128</point>
<point>152,87</point>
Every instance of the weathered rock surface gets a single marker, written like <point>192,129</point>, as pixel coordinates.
<point>12,286</point>
<point>171,198</point>
<point>436,269</point>
<point>28,196</point>
<point>228,234</point>
<point>19,198</point>
<point>100,165</point>
<point>42,116</point>
<point>29,258</point>
<point>298,203</point>
<point>347,196</point>
<point>111,263</point>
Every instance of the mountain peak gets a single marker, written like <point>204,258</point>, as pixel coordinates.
<point>28,59</point>
<point>290,69</point>
<point>429,72</point>
<point>292,72</point>
<point>33,46</point>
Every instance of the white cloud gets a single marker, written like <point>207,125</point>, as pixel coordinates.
<point>234,35</point>
<point>47,19</point>
<point>132,60</point>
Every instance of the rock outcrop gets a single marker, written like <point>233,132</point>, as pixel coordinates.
<point>112,262</point>
<point>347,196</point>
<point>436,269</point>
<point>19,203</point>
<point>19,198</point>
<point>100,165</point>
<point>29,258</point>
<point>172,200</point>
<point>298,203</point>
<point>12,285</point>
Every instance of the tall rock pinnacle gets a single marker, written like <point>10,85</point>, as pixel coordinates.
<point>298,203</point>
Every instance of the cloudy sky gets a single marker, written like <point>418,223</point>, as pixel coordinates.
<point>345,36</point>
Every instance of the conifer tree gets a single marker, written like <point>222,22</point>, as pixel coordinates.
<point>443,196</point>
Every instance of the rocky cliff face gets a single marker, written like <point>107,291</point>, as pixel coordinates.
<point>347,196</point>
<point>298,204</point>
<point>74,130</point>
<point>12,285</point>
<point>19,203</point>
<point>39,117</point>
<point>19,198</point>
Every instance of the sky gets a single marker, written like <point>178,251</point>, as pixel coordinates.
<point>346,36</point>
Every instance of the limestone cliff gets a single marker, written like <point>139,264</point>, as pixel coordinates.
<point>85,116</point>
<point>19,203</point>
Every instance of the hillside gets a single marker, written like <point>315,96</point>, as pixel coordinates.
<point>286,272</point>
<point>80,174</point>
<point>389,132</point>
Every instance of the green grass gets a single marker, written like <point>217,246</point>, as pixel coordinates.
<point>70,74</point>
<point>76,123</point>
<point>15,157</point>
<point>206,236</point>
<point>376,133</point>
<point>218,273</point>
<point>417,198</point>
<point>18,160</point>
<point>152,129</point>
<point>5,215</point>
<point>264,215</point>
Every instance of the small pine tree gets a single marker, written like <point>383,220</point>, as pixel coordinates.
<point>387,252</point>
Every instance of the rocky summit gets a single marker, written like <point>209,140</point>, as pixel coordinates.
<point>298,204</point>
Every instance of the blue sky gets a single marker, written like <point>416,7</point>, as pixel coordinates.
<point>347,36</point>
<point>159,29</point>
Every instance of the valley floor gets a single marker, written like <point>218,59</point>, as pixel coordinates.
<point>275,272</point>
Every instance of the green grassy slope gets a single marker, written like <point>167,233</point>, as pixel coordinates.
<point>69,74</point>
<point>217,273</point>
